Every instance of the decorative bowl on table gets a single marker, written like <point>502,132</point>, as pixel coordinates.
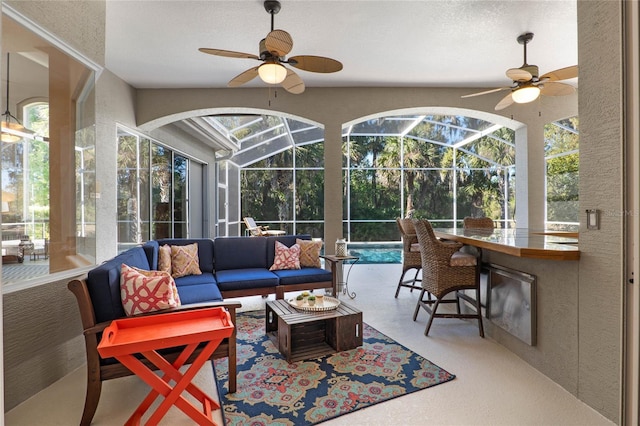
<point>321,303</point>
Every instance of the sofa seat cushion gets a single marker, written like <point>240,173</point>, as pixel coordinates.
<point>199,293</point>
<point>240,279</point>
<point>304,275</point>
<point>206,278</point>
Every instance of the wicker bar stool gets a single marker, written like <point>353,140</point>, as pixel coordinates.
<point>477,226</point>
<point>477,223</point>
<point>445,269</point>
<point>410,255</point>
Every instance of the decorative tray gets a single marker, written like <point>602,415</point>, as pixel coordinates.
<point>326,303</point>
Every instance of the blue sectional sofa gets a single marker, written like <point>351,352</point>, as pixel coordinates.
<point>231,267</point>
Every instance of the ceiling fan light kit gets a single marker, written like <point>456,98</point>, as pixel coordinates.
<point>273,50</point>
<point>272,73</point>
<point>527,86</point>
<point>526,94</point>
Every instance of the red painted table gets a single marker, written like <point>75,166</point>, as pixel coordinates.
<point>146,335</point>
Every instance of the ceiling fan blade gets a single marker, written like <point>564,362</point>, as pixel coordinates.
<point>293,83</point>
<point>518,74</point>
<point>279,41</point>
<point>315,63</point>
<point>561,74</point>
<point>551,88</point>
<point>486,92</point>
<point>227,53</point>
<point>244,77</point>
<point>505,102</point>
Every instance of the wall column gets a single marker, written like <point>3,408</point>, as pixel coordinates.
<point>332,185</point>
<point>62,181</point>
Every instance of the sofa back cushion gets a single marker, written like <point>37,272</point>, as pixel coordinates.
<point>205,250</point>
<point>241,253</point>
<point>103,283</point>
<point>151,250</point>
<point>287,240</point>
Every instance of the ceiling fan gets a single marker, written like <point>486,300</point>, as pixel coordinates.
<point>527,86</point>
<point>273,50</point>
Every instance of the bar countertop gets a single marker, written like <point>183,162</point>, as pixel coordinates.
<point>518,242</point>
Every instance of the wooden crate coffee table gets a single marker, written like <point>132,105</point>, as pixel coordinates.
<point>302,335</point>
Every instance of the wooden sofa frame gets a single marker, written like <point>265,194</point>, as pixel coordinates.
<point>97,373</point>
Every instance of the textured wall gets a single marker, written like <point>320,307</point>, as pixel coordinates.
<point>556,353</point>
<point>41,331</point>
<point>42,339</point>
<point>601,187</point>
<point>81,24</point>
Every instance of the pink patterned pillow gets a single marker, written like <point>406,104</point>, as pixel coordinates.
<point>185,261</point>
<point>286,257</point>
<point>146,291</point>
<point>164,258</point>
<point>172,283</point>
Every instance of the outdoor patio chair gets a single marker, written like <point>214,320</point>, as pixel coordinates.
<point>445,269</point>
<point>477,226</point>
<point>259,231</point>
<point>483,223</point>
<point>410,255</point>
<point>100,369</point>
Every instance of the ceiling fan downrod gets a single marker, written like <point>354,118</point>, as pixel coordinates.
<point>524,39</point>
<point>272,7</point>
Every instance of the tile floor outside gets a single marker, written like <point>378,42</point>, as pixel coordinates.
<point>493,386</point>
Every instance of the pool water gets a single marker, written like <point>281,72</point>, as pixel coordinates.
<point>376,253</point>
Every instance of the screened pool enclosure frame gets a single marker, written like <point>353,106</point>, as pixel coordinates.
<point>276,148</point>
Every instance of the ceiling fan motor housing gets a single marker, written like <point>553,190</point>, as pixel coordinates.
<point>531,69</point>
<point>265,53</point>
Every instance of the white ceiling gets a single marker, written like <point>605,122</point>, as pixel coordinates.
<point>464,43</point>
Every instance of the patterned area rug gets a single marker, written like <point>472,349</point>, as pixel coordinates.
<point>274,392</point>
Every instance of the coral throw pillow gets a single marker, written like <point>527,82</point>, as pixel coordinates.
<point>184,261</point>
<point>286,257</point>
<point>309,253</point>
<point>146,291</point>
<point>164,258</point>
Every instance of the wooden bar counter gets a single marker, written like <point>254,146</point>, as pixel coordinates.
<point>543,306</point>
<point>517,242</point>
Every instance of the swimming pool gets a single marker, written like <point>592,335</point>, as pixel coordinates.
<point>376,252</point>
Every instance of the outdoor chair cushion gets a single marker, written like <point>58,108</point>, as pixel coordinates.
<point>239,279</point>
<point>304,275</point>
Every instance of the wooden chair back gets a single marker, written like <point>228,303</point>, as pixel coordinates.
<point>252,227</point>
<point>477,223</point>
<point>410,258</point>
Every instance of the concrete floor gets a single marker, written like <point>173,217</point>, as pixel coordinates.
<point>493,386</point>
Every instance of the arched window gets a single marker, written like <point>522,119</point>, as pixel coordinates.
<point>438,167</point>
<point>35,115</point>
<point>276,174</point>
